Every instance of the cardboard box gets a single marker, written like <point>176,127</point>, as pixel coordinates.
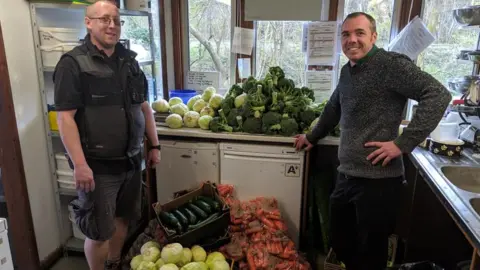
<point>216,227</point>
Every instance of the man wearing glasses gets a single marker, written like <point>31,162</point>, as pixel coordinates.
<point>100,95</point>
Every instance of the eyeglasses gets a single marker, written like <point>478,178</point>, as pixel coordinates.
<point>108,20</point>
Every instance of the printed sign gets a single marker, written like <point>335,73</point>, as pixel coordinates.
<point>292,170</point>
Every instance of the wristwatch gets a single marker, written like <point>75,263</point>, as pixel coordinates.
<point>154,147</point>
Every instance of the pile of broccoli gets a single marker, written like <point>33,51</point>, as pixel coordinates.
<point>273,106</point>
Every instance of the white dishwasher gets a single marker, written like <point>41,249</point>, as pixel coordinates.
<point>185,165</point>
<point>266,171</point>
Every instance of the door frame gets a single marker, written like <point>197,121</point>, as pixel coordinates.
<point>11,162</point>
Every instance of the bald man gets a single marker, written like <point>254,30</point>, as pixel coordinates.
<point>103,116</point>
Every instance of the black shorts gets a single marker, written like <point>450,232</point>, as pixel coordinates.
<point>115,196</point>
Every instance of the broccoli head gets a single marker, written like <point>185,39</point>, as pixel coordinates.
<point>250,85</point>
<point>252,125</point>
<point>235,91</point>
<point>271,123</point>
<point>271,118</point>
<point>227,104</point>
<point>289,126</point>
<point>219,123</point>
<point>232,117</point>
<point>307,92</point>
<point>276,105</point>
<point>239,126</point>
<point>276,73</point>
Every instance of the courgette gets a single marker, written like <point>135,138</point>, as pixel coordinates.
<point>204,206</point>
<point>201,215</point>
<point>170,221</point>
<point>192,219</point>
<point>214,204</point>
<point>206,221</point>
<point>181,217</point>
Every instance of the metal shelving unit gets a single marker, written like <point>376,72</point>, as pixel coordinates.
<point>67,14</point>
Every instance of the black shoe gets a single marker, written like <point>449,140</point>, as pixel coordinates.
<point>112,265</point>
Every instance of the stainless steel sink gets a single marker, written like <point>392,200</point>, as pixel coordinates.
<point>465,178</point>
<point>475,202</point>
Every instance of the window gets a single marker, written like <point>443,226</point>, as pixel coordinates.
<point>279,43</point>
<point>380,10</point>
<point>209,24</point>
<point>136,30</point>
<point>440,58</point>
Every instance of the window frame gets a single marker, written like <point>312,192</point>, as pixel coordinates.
<point>180,40</point>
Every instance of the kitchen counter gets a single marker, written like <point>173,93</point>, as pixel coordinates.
<point>453,199</point>
<point>235,136</point>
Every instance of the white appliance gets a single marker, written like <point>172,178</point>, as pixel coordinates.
<point>185,165</point>
<point>6,262</point>
<point>266,171</point>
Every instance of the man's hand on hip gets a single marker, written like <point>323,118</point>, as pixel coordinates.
<point>153,158</point>
<point>386,151</point>
<point>83,176</point>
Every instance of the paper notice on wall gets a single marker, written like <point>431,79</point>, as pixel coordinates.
<point>243,40</point>
<point>197,80</point>
<point>321,82</point>
<point>244,70</point>
<point>321,43</point>
<point>413,39</point>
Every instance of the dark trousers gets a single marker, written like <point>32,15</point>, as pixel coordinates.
<point>363,215</point>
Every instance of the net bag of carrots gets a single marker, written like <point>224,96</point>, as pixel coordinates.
<point>259,237</point>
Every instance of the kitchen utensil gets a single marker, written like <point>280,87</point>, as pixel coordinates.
<point>467,16</point>
<point>468,134</point>
<point>445,131</point>
<point>452,148</point>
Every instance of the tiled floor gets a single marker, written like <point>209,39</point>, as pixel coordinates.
<point>71,263</point>
<point>79,263</point>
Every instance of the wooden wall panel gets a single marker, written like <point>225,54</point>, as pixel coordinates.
<point>13,175</point>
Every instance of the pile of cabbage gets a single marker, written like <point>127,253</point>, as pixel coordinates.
<point>197,113</point>
<point>176,257</point>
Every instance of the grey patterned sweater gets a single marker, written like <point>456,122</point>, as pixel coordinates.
<point>368,103</point>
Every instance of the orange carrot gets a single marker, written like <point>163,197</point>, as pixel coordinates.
<point>251,260</point>
<point>280,225</point>
<point>267,222</point>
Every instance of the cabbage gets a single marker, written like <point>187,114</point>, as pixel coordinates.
<point>195,266</point>
<point>174,121</point>
<point>204,122</point>
<point>175,101</point>
<point>207,111</point>
<point>147,266</point>
<point>160,105</point>
<point>172,253</point>
<point>149,244</point>
<point>208,93</point>
<point>159,263</point>
<point>169,266</point>
<point>199,254</point>
<point>216,101</point>
<point>151,254</point>
<point>190,119</point>
<point>239,100</point>
<point>219,265</point>
<point>192,100</point>
<point>186,258</point>
<point>313,124</point>
<point>199,105</point>
<point>180,109</point>
<point>136,261</point>
<point>214,256</point>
